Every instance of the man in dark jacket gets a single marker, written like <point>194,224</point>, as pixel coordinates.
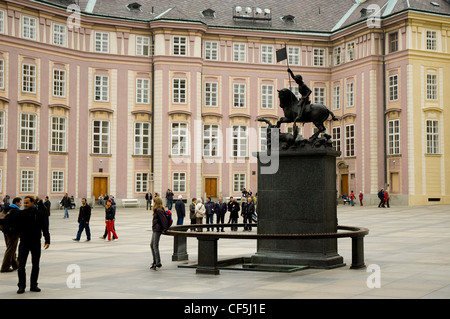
<point>31,223</point>
<point>65,202</point>
<point>181,210</point>
<point>247,212</point>
<point>11,235</point>
<point>210,209</point>
<point>83,220</point>
<point>221,209</point>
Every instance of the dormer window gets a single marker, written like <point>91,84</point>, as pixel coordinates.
<point>134,6</point>
<point>209,13</point>
<point>288,18</point>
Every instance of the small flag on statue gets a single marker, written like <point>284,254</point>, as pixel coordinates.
<point>281,54</point>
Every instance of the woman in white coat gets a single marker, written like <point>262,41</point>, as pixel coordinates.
<point>200,211</point>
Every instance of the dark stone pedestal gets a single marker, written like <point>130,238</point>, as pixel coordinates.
<point>300,198</point>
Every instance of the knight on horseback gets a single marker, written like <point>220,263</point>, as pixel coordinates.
<point>304,90</point>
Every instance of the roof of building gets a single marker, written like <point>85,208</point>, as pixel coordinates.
<point>287,15</point>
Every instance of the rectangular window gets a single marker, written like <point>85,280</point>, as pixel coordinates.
<point>350,94</point>
<point>211,50</point>
<point>211,92</point>
<point>210,140</point>
<point>179,91</point>
<point>394,137</point>
<point>431,40</point>
<point>142,46</point>
<point>179,182</point>
<point>239,141</point>
<point>336,97</point>
<point>57,181</point>
<point>29,28</point>
<point>59,83</point>
<point>2,74</point>
<point>141,183</point>
<point>431,87</point>
<point>239,95</point>
<point>319,95</point>
<point>294,56</point>
<point>100,137</point>
<point>101,93</point>
<point>267,96</point>
<point>28,132</point>
<point>27,181</point>
<point>28,78</point>
<point>432,136</point>
<point>263,138</point>
<point>239,52</point>
<point>239,182</point>
<point>266,54</point>
<point>143,91</point>
<point>102,42</point>
<point>336,131</point>
<point>2,130</point>
<point>179,137</point>
<point>393,42</point>
<point>59,34</point>
<point>337,55</point>
<point>58,132</point>
<point>393,88</point>
<point>2,21</point>
<point>350,140</point>
<point>319,57</point>
<point>179,46</point>
<point>350,51</point>
<point>142,138</point>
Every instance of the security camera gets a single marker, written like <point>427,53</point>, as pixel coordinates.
<point>238,9</point>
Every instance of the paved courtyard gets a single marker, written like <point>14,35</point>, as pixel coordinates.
<point>408,245</point>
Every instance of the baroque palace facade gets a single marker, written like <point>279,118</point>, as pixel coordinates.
<point>122,97</point>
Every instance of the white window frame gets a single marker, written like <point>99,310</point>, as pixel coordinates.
<point>240,141</point>
<point>350,52</point>
<point>142,91</point>
<point>319,57</point>
<point>432,137</point>
<point>431,40</point>
<point>179,139</point>
<point>262,138</point>
<point>211,50</point>
<point>179,91</point>
<point>2,129</point>
<point>102,137</point>
<point>393,42</point>
<point>211,140</point>
<point>57,181</point>
<point>350,140</point>
<point>211,94</point>
<point>142,138</point>
<point>267,54</point>
<point>393,87</point>
<point>337,97</point>
<point>394,137</point>
<point>101,42</point>
<point>320,95</point>
<point>58,134</point>
<point>180,46</point>
<point>2,74</point>
<point>239,182</point>
<point>59,83</point>
<point>336,133</point>
<point>179,182</point>
<point>239,52</point>
<point>28,132</point>
<point>101,88</point>
<point>239,95</point>
<point>27,181</point>
<point>141,182</point>
<point>2,23</point>
<point>294,55</point>
<point>142,46</point>
<point>267,96</point>
<point>29,28</point>
<point>59,34</point>
<point>337,57</point>
<point>432,87</point>
<point>29,78</point>
<point>350,94</point>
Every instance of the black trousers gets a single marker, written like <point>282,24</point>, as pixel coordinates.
<point>247,222</point>
<point>26,247</point>
<point>220,220</point>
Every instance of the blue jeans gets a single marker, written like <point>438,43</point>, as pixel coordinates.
<point>83,225</point>
<point>210,220</point>
<point>169,204</point>
<point>154,245</point>
<point>66,212</point>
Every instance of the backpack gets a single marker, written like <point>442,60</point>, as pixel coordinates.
<point>169,217</point>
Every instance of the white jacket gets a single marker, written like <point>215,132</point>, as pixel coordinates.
<point>200,210</point>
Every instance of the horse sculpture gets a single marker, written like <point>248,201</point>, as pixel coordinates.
<point>315,112</point>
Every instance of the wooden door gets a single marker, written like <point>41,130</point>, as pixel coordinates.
<point>100,186</point>
<point>395,183</point>
<point>344,184</point>
<point>211,187</point>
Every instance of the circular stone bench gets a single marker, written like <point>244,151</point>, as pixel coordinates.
<point>207,242</point>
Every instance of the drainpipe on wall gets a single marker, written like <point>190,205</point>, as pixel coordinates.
<point>152,177</point>
<point>384,112</point>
